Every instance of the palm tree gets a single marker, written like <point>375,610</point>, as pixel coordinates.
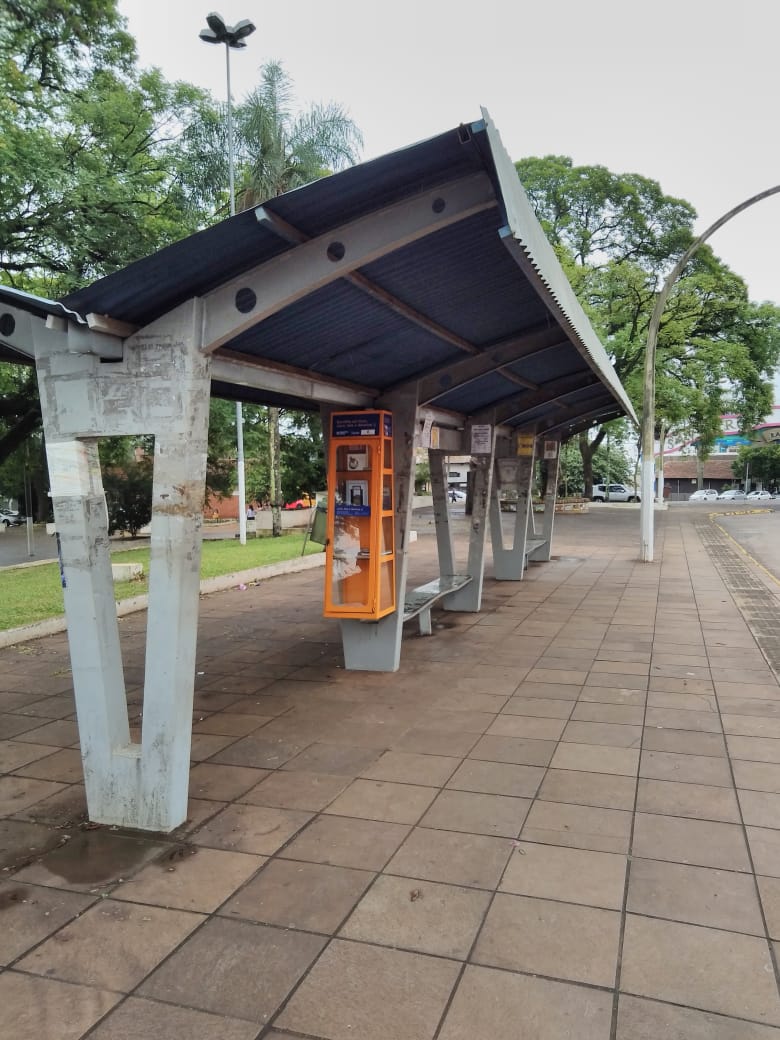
<point>275,151</point>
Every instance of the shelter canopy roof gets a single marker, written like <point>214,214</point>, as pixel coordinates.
<point>424,266</point>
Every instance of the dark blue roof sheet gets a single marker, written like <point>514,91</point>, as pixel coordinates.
<point>486,279</point>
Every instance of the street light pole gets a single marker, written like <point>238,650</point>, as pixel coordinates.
<point>647,515</point>
<point>233,36</point>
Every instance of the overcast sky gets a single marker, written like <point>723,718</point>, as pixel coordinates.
<point>682,91</point>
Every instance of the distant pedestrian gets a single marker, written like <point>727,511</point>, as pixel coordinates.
<point>250,513</point>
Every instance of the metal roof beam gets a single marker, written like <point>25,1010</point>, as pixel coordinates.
<point>283,229</point>
<point>270,287</point>
<point>284,380</point>
<point>513,409</point>
<point>577,423</point>
<point>445,378</point>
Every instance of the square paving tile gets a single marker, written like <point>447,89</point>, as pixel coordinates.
<point>699,842</point>
<point>345,842</point>
<point>418,915</point>
<point>491,1003</point>
<point>700,967</point>
<point>112,945</point>
<point>696,895</point>
<point>578,826</point>
<point>334,758</point>
<point>765,849</point>
<point>689,769</point>
<point>760,808</point>
<point>432,742</point>
<point>497,778</point>
<point>769,887</point>
<point>538,728</point>
<point>543,937</point>
<point>372,993</point>
<point>30,913</point>
<point>695,800</point>
<point>251,828</point>
<point>409,768</point>
<point>494,814</point>
<point>64,766</point>
<point>539,707</point>
<point>19,792</point>
<point>569,875</point>
<point>139,1019</point>
<point>310,896</point>
<point>190,878</point>
<point>684,742</point>
<point>595,758</point>
<point>611,734</point>
<point>640,1019</point>
<point>757,776</point>
<point>604,790</point>
<point>475,860</point>
<point>255,751</point>
<point>223,783</point>
<point>17,753</point>
<point>518,750</point>
<point>382,800</point>
<point>235,968</point>
<point>296,789</point>
<point>42,1008</point>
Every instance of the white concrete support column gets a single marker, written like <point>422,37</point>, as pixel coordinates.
<point>543,552</point>
<point>375,646</point>
<point>160,387</point>
<point>469,598</point>
<point>509,562</point>
<point>441,511</point>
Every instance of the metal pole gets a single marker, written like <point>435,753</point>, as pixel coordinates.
<point>646,522</point>
<point>239,407</point>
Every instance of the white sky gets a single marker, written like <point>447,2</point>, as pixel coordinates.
<point>682,91</point>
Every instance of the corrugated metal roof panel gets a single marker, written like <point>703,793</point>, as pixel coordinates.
<point>424,305</point>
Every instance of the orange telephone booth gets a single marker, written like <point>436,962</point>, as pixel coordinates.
<point>360,553</point>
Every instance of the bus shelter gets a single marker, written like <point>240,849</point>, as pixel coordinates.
<point>419,285</point>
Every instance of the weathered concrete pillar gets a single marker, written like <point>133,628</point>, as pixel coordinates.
<point>483,446</point>
<point>160,387</point>
<point>543,552</point>
<point>516,472</point>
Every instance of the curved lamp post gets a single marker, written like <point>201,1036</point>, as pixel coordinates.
<point>647,516</point>
<point>233,36</point>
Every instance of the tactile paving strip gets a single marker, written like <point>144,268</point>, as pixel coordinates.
<point>756,601</point>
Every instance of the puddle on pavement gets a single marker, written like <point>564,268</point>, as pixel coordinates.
<point>97,857</point>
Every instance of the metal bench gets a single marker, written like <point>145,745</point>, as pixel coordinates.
<point>420,600</point>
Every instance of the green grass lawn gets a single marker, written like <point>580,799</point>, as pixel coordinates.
<point>33,593</point>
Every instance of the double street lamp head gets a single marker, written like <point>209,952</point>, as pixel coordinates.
<point>231,35</point>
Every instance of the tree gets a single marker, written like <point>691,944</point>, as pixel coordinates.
<point>127,465</point>
<point>761,461</point>
<point>618,236</point>
<point>275,151</point>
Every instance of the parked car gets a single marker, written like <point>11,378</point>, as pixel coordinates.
<point>758,496</point>
<point>732,495</point>
<point>703,495</point>
<point>304,502</point>
<point>617,493</point>
<point>9,519</point>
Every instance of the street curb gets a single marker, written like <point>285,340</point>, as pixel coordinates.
<point>52,626</point>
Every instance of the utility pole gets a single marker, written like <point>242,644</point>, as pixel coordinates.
<point>233,36</point>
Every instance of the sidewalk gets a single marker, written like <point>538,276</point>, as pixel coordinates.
<point>535,830</point>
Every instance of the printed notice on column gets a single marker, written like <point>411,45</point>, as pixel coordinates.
<point>481,439</point>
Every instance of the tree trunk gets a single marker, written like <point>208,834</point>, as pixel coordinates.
<point>588,450</point>
<point>275,466</point>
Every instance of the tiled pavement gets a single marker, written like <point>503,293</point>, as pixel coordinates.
<point>560,819</point>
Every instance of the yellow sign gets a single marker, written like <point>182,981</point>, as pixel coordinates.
<point>525,443</point>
